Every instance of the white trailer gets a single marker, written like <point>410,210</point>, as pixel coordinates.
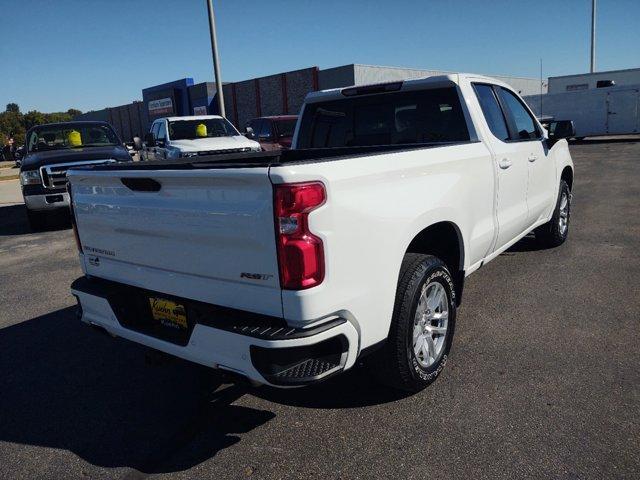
<point>602,111</point>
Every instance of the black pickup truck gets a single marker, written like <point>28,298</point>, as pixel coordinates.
<point>54,148</point>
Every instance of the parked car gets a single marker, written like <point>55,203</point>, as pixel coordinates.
<point>291,266</point>
<point>273,133</point>
<point>179,137</point>
<point>51,150</point>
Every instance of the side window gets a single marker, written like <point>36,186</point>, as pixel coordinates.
<point>256,125</point>
<point>525,124</point>
<point>33,139</point>
<point>492,111</point>
<point>154,129</point>
<point>162,132</point>
<point>266,130</point>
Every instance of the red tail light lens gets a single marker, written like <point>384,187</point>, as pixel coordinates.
<point>300,252</point>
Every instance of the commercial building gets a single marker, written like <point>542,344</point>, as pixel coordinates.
<point>601,103</point>
<point>588,81</point>
<point>278,94</point>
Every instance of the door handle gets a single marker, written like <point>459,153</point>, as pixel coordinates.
<point>504,163</point>
<point>532,158</point>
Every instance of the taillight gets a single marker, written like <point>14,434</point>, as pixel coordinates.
<point>300,252</point>
<point>76,237</point>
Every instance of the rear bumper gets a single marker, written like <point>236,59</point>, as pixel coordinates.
<point>53,201</point>
<point>275,355</point>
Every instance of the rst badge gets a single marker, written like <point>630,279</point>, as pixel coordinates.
<point>256,276</point>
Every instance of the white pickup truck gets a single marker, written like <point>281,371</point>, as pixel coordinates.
<point>288,267</point>
<point>194,136</point>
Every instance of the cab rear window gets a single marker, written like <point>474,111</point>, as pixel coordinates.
<point>425,116</point>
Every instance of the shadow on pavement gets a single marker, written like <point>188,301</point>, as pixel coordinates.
<point>598,140</point>
<point>352,389</point>
<point>13,221</point>
<point>66,386</point>
<point>525,244</point>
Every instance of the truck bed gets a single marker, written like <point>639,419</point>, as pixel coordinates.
<point>266,159</point>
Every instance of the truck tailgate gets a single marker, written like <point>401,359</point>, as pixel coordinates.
<point>206,234</point>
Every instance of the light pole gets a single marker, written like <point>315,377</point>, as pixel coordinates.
<point>593,36</point>
<point>216,60</point>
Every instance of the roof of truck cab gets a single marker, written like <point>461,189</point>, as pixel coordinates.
<point>278,118</point>
<point>192,117</point>
<point>72,122</point>
<point>413,84</point>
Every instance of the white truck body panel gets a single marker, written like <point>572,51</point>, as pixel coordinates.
<point>194,238</point>
<point>366,233</point>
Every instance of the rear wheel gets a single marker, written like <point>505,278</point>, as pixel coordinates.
<point>555,231</point>
<point>37,220</point>
<point>422,326</point>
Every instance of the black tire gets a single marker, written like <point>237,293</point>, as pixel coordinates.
<point>551,234</point>
<point>37,220</point>
<point>396,364</point>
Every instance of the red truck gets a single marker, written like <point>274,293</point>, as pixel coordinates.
<point>273,133</point>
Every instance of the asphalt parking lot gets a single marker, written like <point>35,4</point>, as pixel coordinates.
<point>543,380</point>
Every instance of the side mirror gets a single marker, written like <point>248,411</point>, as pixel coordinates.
<point>559,129</point>
<point>20,151</point>
<point>249,133</point>
<point>150,140</point>
<point>137,144</point>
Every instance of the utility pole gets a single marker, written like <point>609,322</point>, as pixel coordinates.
<point>541,87</point>
<point>593,36</point>
<point>216,60</point>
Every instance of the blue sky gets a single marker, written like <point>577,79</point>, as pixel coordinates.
<point>89,54</point>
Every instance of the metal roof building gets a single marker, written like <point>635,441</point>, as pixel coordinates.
<point>278,94</point>
<point>588,81</point>
<point>357,74</point>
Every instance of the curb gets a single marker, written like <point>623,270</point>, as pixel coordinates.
<point>9,177</point>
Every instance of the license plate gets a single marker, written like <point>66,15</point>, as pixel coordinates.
<point>168,313</point>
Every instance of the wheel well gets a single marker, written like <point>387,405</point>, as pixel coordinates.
<point>567,176</point>
<point>443,240</point>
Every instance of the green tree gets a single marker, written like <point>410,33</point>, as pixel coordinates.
<point>33,118</point>
<point>56,117</point>
<point>13,122</point>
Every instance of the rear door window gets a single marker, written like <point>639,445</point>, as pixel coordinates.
<point>424,116</point>
<point>492,111</point>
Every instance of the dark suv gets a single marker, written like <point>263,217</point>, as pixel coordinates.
<point>273,133</point>
<point>54,148</point>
